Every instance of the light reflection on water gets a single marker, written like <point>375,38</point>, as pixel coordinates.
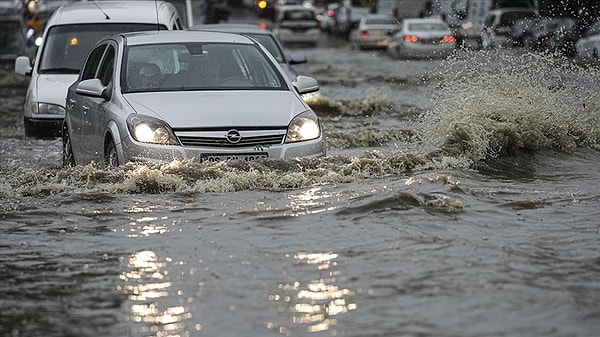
<point>146,283</point>
<point>310,201</point>
<point>316,303</point>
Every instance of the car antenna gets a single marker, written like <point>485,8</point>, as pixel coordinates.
<point>103,12</point>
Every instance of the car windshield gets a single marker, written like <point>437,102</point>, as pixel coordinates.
<point>381,21</point>
<point>67,46</point>
<point>198,66</point>
<point>298,15</point>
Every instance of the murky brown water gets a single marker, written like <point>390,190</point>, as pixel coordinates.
<point>458,198</point>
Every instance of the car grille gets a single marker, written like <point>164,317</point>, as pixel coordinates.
<point>223,142</point>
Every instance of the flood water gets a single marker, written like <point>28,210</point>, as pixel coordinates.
<point>459,197</point>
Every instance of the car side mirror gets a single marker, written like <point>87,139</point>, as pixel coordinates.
<point>306,84</point>
<point>92,88</point>
<point>297,58</point>
<point>23,65</point>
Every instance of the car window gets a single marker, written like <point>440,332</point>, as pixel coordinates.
<point>197,66</point>
<point>105,74</point>
<point>381,21</point>
<point>429,26</point>
<point>66,46</point>
<point>89,70</point>
<point>268,42</point>
<point>298,15</point>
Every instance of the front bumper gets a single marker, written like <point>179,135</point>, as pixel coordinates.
<point>135,151</point>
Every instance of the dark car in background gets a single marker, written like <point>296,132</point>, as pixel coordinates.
<point>557,34</point>
<point>499,24</point>
<point>13,39</point>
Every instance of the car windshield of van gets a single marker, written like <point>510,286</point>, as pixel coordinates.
<point>67,46</point>
<point>198,66</point>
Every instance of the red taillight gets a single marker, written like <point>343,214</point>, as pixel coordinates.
<point>364,33</point>
<point>449,38</point>
<point>411,38</point>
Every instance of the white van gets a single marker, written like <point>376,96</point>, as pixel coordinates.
<point>70,34</point>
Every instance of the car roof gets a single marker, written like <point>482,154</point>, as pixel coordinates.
<point>183,36</point>
<point>141,11</point>
<point>239,28</point>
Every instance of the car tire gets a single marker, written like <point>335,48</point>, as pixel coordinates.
<point>68,160</point>
<point>111,158</point>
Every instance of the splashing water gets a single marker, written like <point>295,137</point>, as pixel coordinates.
<point>491,104</point>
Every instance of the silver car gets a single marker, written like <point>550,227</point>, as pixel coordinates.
<point>206,96</point>
<point>422,38</point>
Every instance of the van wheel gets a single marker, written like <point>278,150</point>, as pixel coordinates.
<point>67,158</point>
<point>110,154</point>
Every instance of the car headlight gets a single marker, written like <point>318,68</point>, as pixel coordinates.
<point>303,127</point>
<point>146,129</point>
<point>47,109</point>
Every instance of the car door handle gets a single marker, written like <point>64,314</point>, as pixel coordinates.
<point>85,109</point>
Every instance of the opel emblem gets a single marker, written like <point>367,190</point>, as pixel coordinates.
<point>233,136</point>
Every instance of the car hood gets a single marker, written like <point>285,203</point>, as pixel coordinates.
<point>52,88</point>
<point>219,108</point>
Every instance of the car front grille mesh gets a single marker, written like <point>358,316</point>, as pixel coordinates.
<point>223,142</point>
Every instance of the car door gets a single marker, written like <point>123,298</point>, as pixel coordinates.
<point>96,119</point>
<point>77,106</point>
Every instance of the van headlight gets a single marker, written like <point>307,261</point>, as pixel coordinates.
<point>146,129</point>
<point>47,109</point>
<point>303,127</point>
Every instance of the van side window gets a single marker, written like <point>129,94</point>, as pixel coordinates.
<point>89,69</point>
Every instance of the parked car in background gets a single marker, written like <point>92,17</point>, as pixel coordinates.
<point>588,46</point>
<point>553,35</point>
<point>297,24</point>
<point>373,31</point>
<point>13,39</point>
<point>422,38</point>
<point>522,31</point>
<point>264,37</point>
<point>207,96</point>
<point>499,23</point>
<point>70,33</point>
<point>328,21</point>
<point>348,15</point>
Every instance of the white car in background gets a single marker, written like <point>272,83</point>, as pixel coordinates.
<point>204,96</point>
<point>297,24</point>
<point>422,38</point>
<point>373,31</point>
<point>588,46</point>
<point>70,33</point>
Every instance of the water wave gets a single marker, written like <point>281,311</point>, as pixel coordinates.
<point>487,106</point>
<point>493,104</point>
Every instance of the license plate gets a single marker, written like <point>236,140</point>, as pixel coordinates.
<point>213,158</point>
